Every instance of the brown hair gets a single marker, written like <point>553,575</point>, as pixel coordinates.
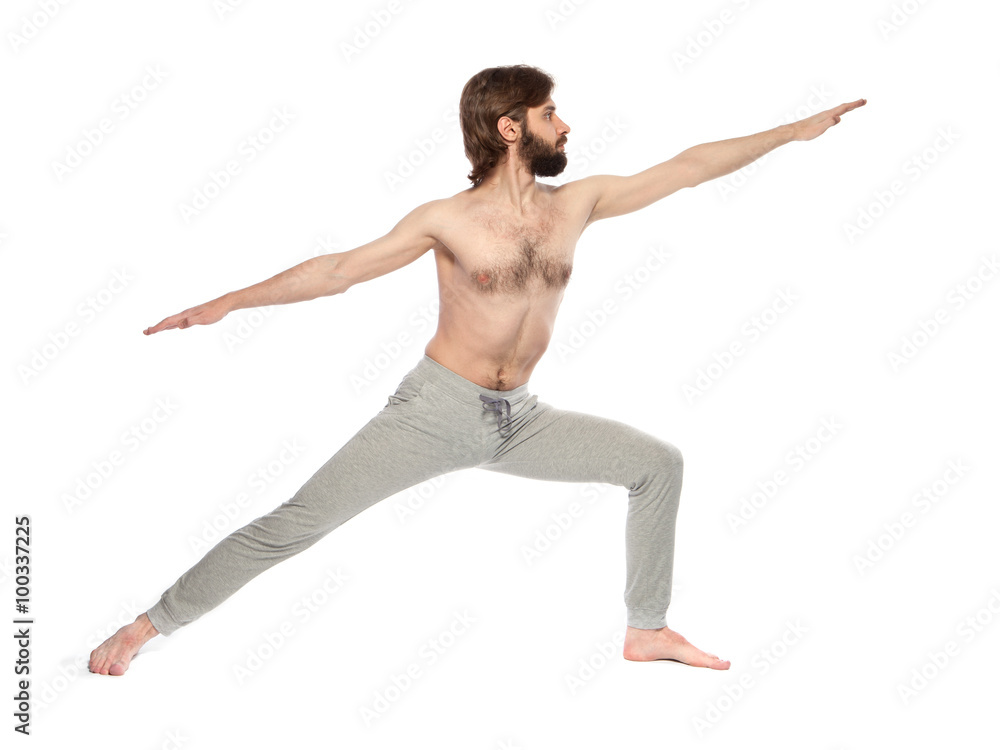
<point>489,95</point>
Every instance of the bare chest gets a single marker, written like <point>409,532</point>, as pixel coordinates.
<point>503,257</point>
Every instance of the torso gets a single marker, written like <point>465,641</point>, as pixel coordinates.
<point>501,281</point>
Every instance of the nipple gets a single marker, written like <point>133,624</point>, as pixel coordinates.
<point>483,278</point>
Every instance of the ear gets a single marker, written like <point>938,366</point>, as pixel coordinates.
<point>508,129</point>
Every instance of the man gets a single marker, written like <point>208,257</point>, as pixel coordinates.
<point>504,253</point>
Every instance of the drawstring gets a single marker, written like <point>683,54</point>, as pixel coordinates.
<point>498,405</point>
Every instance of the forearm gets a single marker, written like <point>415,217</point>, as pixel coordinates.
<point>315,277</point>
<point>710,160</point>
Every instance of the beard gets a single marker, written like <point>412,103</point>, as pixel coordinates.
<point>541,159</point>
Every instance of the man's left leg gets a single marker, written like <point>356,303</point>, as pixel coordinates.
<point>541,442</point>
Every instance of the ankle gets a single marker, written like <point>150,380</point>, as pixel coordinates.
<point>144,629</point>
<point>640,632</point>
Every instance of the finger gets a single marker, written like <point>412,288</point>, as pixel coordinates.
<point>163,325</point>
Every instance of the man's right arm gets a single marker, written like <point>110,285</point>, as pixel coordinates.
<point>324,275</point>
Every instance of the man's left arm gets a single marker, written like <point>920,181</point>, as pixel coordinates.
<point>614,196</point>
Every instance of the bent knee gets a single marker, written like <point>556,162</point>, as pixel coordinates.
<point>658,460</point>
<point>670,456</point>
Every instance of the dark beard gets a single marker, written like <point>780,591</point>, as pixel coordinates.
<point>541,159</point>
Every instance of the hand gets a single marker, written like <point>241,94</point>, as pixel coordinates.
<point>202,315</point>
<point>809,128</point>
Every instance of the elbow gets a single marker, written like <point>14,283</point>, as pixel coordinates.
<point>692,171</point>
<point>333,274</point>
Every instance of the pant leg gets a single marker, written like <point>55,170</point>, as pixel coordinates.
<point>567,446</point>
<point>394,451</point>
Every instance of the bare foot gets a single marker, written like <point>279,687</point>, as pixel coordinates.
<point>650,645</point>
<point>114,655</point>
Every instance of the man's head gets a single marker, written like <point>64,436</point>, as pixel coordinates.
<point>511,106</point>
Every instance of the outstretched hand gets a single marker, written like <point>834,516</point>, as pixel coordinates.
<point>210,312</point>
<point>810,127</point>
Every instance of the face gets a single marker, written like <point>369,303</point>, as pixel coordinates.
<point>541,148</point>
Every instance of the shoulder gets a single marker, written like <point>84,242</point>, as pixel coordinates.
<point>454,208</point>
<point>576,197</point>
<point>430,215</point>
<point>446,209</point>
<point>577,192</point>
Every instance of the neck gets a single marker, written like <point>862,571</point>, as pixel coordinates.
<point>512,185</point>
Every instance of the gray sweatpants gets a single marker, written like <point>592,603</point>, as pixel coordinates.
<point>438,422</point>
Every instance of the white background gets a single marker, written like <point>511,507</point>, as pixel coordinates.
<point>322,184</point>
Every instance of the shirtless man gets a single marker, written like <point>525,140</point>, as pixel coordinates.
<point>504,253</point>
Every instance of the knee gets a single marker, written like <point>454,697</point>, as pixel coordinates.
<point>661,461</point>
<point>671,459</point>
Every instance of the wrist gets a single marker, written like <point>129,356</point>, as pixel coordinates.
<point>228,302</point>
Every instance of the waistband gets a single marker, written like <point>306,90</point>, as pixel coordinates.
<point>462,388</point>
<point>465,392</point>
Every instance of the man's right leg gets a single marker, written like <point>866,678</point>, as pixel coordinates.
<point>389,454</point>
